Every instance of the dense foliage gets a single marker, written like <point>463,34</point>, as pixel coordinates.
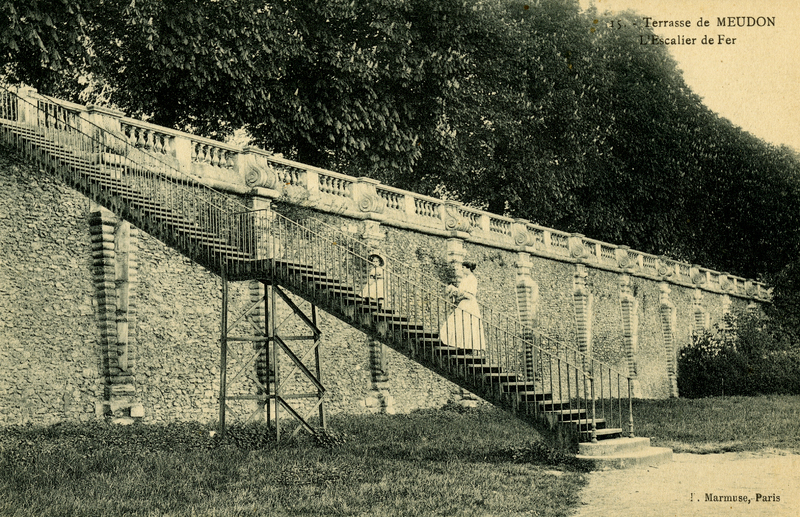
<point>745,356</point>
<point>536,110</point>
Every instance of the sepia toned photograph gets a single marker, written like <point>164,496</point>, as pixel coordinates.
<point>399,257</point>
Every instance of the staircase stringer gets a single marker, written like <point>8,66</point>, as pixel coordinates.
<point>438,364</point>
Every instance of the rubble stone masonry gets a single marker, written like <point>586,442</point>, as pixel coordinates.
<point>62,352</point>
<point>101,320</point>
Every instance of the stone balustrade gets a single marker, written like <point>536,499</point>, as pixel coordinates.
<point>259,173</point>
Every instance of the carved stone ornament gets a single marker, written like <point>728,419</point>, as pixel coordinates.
<point>369,202</point>
<point>577,248</point>
<point>750,288</point>
<point>455,221</point>
<point>520,234</point>
<point>624,259</point>
<point>261,176</point>
<point>665,267</point>
<point>725,282</point>
<point>698,277</point>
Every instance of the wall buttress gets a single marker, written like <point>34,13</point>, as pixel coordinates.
<point>630,326</point>
<point>668,324</point>
<point>114,245</point>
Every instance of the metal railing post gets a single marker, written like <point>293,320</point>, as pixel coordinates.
<point>630,410</point>
<point>223,352</point>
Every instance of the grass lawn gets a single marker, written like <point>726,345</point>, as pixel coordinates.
<point>481,462</point>
<point>445,462</point>
<point>721,424</point>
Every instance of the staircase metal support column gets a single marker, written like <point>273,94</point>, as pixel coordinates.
<point>269,298</point>
<point>276,390</point>
<point>269,366</point>
<point>320,393</point>
<point>223,354</point>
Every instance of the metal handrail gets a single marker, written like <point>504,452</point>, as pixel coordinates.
<point>392,261</point>
<point>485,309</point>
<point>249,236</point>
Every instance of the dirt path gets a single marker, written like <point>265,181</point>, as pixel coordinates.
<point>682,488</point>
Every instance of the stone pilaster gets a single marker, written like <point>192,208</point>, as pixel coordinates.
<point>527,290</point>
<point>630,325</point>
<point>114,245</point>
<point>701,319</point>
<point>726,312</point>
<point>266,242</point>
<point>582,299</point>
<point>455,252</point>
<point>257,316</point>
<point>668,325</point>
<point>379,400</point>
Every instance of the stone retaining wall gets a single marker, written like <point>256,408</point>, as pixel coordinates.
<point>54,329</point>
<point>628,319</point>
<point>72,349</point>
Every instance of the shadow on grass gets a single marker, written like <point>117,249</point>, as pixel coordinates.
<point>481,435</point>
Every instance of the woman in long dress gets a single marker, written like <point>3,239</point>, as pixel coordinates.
<point>463,327</point>
<point>374,288</point>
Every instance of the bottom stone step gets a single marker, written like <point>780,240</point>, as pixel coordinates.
<point>623,453</point>
<point>614,447</point>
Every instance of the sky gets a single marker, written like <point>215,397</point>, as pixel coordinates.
<point>753,81</point>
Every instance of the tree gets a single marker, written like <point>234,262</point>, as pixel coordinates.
<point>536,111</point>
<point>42,39</point>
<point>353,85</point>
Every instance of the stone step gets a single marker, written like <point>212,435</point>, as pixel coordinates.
<point>333,285</point>
<point>568,415</point>
<point>584,425</point>
<point>482,369</point>
<point>419,332</point>
<point>502,379</point>
<point>614,447</point>
<point>294,267</point>
<point>602,434</point>
<point>441,349</point>
<point>469,359</point>
<point>203,238</point>
<point>371,304</point>
<point>388,317</point>
<point>534,396</point>
<point>559,403</point>
<point>518,386</point>
<point>311,275</point>
<point>227,251</point>
<point>432,342</point>
<point>622,453</point>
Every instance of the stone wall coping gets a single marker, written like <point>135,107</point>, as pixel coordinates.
<point>226,167</point>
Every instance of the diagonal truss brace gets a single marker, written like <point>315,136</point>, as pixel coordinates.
<point>274,391</point>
